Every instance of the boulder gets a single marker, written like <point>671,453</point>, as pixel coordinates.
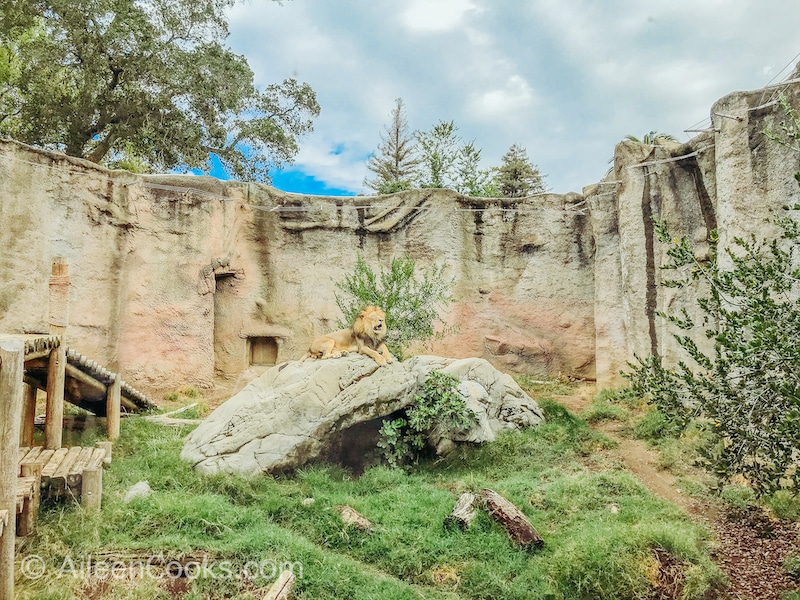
<point>291,414</point>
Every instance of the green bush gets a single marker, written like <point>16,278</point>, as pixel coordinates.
<point>412,304</point>
<point>747,389</point>
<point>438,406</point>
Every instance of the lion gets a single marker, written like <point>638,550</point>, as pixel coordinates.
<point>364,336</point>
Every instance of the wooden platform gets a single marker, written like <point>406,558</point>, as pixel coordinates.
<point>62,469</point>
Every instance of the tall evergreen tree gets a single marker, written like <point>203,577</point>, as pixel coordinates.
<point>148,79</point>
<point>517,177</point>
<point>471,180</point>
<point>396,162</point>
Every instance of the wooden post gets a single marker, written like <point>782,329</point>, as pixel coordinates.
<point>92,488</point>
<point>28,415</point>
<point>59,319</point>
<point>113,399</point>
<point>12,367</point>
<point>28,518</point>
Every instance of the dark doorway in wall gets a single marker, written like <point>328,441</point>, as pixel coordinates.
<point>263,351</point>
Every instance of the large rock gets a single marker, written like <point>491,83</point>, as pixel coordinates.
<point>291,414</point>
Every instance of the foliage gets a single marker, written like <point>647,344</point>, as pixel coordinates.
<point>652,138</point>
<point>146,83</point>
<point>517,177</point>
<point>396,161</point>
<point>590,552</point>
<point>438,407</point>
<point>438,150</point>
<point>412,303</point>
<point>747,389</point>
<point>471,180</point>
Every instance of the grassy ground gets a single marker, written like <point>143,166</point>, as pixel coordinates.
<point>606,536</point>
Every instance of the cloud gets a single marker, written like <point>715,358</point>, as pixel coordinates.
<point>427,16</point>
<point>503,102</point>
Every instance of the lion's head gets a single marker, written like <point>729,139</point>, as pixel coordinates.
<point>370,323</point>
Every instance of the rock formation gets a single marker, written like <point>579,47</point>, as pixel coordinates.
<point>189,280</point>
<point>300,411</point>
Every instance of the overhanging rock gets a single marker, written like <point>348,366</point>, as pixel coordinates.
<point>289,415</point>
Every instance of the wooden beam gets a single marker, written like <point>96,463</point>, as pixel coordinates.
<point>76,373</point>
<point>12,366</point>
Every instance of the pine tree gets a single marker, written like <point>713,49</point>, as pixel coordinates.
<point>396,162</point>
<point>471,179</point>
<point>517,177</point>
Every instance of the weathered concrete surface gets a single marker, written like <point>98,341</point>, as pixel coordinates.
<point>288,416</point>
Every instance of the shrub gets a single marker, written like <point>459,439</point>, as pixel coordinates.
<point>439,406</point>
<point>747,389</point>
<point>413,305</point>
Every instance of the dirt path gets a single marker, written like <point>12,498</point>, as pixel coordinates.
<point>750,545</point>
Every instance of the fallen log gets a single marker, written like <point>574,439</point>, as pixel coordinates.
<point>282,587</point>
<point>516,524</point>
<point>463,512</point>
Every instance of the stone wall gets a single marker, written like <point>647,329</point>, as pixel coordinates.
<point>182,280</point>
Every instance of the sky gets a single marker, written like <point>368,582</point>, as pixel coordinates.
<point>565,79</point>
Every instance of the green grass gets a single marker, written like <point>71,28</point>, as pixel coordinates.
<point>601,528</point>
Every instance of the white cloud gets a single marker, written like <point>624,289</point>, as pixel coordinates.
<point>503,102</point>
<point>436,16</point>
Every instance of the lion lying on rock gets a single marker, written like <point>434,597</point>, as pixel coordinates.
<point>364,336</point>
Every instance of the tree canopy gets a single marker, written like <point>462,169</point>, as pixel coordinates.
<point>517,176</point>
<point>144,79</point>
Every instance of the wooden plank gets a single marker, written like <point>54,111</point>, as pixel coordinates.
<point>25,491</point>
<point>58,481</point>
<point>32,455</point>
<point>12,369</point>
<point>52,465</point>
<point>76,471</point>
<point>22,452</point>
<point>97,459</point>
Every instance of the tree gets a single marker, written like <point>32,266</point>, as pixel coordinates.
<point>517,177</point>
<point>412,304</point>
<point>147,80</point>
<point>439,149</point>
<point>397,161</point>
<point>471,180</point>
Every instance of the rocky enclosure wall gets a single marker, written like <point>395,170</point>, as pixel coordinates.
<point>181,280</point>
